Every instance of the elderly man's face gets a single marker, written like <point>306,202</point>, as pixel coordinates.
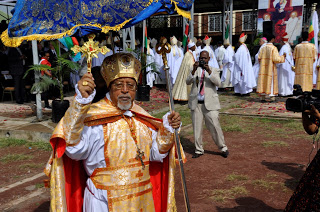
<point>261,42</point>
<point>123,92</point>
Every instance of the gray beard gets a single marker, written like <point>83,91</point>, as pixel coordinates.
<point>124,107</point>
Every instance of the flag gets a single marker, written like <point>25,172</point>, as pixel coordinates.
<point>314,29</point>
<point>185,36</point>
<point>313,38</point>
<point>226,35</point>
<point>69,42</point>
<point>146,38</point>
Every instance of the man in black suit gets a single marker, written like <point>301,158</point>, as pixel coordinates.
<point>16,67</point>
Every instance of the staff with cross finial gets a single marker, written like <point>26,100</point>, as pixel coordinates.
<point>163,48</point>
<point>89,50</point>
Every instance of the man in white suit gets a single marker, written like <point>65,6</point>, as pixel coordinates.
<point>204,104</point>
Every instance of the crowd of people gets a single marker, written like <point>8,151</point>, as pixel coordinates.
<point>270,72</point>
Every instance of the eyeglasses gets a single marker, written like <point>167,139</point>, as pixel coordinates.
<point>120,86</point>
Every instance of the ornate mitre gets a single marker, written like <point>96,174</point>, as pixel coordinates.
<point>207,40</point>
<point>242,38</point>
<point>226,42</point>
<point>120,65</point>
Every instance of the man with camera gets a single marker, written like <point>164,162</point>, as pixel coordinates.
<point>306,196</point>
<point>204,104</point>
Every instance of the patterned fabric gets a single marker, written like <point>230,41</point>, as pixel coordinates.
<point>53,19</point>
<point>304,55</point>
<point>307,194</point>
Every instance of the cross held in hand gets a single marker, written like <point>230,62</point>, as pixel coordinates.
<point>90,49</point>
<point>165,48</point>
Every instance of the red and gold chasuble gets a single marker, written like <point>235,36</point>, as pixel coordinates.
<point>130,186</point>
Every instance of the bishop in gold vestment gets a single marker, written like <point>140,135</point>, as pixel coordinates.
<point>123,149</point>
<point>268,76</point>
<point>304,55</point>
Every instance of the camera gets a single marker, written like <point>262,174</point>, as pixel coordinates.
<point>202,63</point>
<point>303,99</point>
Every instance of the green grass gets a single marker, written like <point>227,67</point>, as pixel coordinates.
<point>185,114</point>
<point>274,143</point>
<point>236,177</point>
<point>234,124</point>
<point>39,185</point>
<point>264,184</point>
<point>9,142</point>
<point>30,166</point>
<point>41,145</point>
<point>15,157</point>
<point>220,195</point>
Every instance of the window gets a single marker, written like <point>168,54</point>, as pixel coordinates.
<point>215,23</point>
<point>249,21</point>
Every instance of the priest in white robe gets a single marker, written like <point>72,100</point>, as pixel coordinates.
<point>151,75</point>
<point>285,73</point>
<point>243,76</point>
<point>175,57</point>
<point>213,60</point>
<point>228,65</point>
<point>256,67</point>
<point>179,44</point>
<point>220,54</point>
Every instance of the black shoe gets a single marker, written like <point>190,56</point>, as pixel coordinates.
<point>263,101</point>
<point>196,155</point>
<point>225,154</point>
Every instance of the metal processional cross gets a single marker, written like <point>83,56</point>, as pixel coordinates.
<point>90,49</point>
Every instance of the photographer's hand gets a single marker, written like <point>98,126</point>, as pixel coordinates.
<point>309,122</point>
<point>207,68</point>
<point>195,66</point>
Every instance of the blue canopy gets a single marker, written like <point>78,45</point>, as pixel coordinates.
<point>53,19</point>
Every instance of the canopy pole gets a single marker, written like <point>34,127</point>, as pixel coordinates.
<point>37,78</point>
<point>191,22</point>
<point>166,48</point>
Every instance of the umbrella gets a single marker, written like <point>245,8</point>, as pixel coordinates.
<point>53,19</point>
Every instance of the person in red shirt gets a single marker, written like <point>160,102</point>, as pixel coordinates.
<point>45,61</point>
<point>45,95</point>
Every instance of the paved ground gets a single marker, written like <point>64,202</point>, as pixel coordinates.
<point>20,120</point>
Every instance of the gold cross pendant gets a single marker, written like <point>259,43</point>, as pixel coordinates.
<point>139,156</point>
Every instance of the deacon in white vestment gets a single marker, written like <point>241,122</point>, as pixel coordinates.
<point>285,73</point>
<point>228,65</point>
<point>256,67</point>
<point>243,76</point>
<point>175,57</point>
